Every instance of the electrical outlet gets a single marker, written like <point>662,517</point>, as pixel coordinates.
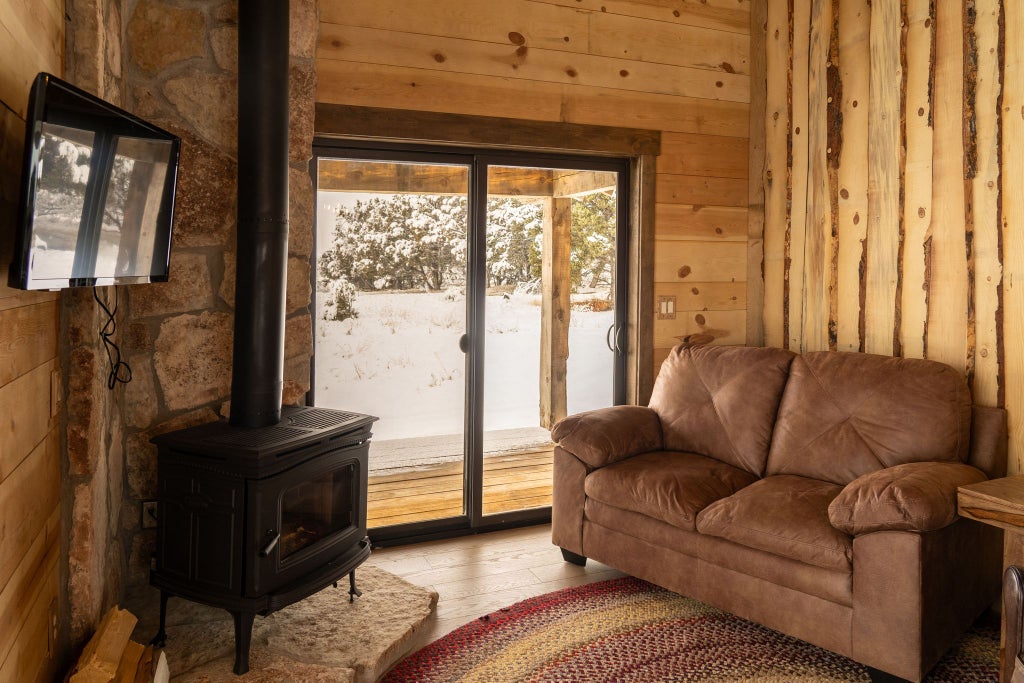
<point>149,512</point>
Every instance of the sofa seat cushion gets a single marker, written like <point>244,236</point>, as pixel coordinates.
<point>828,584</point>
<point>670,486</point>
<point>784,515</point>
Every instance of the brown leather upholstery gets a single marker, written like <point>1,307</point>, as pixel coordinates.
<point>601,437</point>
<point>769,552</point>
<point>918,496</point>
<point>721,401</point>
<point>568,479</point>
<point>668,486</point>
<point>784,515</point>
<point>829,584</point>
<point>846,414</point>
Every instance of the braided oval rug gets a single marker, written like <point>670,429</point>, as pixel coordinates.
<point>627,630</point>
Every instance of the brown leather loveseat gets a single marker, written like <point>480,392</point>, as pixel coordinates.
<point>814,494</point>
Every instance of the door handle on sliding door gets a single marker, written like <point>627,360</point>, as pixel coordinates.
<point>613,341</point>
<point>464,343</point>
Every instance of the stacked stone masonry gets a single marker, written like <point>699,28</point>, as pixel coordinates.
<point>173,62</point>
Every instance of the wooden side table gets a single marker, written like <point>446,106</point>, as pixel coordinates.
<point>999,502</point>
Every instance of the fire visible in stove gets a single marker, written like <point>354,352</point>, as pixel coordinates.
<point>315,509</point>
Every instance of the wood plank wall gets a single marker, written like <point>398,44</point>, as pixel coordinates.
<point>678,66</point>
<point>31,40</point>
<point>893,176</point>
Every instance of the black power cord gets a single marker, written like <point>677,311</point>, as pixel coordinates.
<point>120,371</point>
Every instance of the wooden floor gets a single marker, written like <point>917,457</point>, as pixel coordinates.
<point>512,481</point>
<point>476,575</point>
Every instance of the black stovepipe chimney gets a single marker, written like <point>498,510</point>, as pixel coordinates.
<point>262,266</point>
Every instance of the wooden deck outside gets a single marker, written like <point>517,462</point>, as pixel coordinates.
<point>512,481</point>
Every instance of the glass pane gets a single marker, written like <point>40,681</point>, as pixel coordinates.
<point>134,195</point>
<point>550,260</point>
<point>63,172</point>
<point>391,307</point>
<point>315,509</point>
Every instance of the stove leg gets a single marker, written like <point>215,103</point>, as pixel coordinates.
<point>160,639</point>
<point>243,637</point>
<point>353,592</point>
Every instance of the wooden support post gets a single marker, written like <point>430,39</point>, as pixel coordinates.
<point>554,325</point>
<point>640,355</point>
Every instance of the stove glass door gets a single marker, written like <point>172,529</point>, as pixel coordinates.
<point>315,509</point>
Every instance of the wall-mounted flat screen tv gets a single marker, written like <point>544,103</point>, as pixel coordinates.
<point>97,197</point>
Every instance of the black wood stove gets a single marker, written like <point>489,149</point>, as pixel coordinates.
<point>259,512</point>
<point>252,520</point>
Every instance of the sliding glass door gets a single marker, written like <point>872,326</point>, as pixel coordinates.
<point>470,301</point>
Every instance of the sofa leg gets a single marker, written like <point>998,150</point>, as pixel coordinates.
<point>882,677</point>
<point>570,556</point>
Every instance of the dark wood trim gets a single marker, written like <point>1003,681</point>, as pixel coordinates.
<point>378,124</point>
<point>640,307</point>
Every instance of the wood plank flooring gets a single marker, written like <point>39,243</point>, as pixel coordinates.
<point>512,481</point>
<point>476,575</point>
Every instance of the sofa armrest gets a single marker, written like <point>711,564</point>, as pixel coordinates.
<point>917,496</point>
<point>601,437</point>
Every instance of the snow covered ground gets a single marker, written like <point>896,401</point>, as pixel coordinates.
<point>400,360</point>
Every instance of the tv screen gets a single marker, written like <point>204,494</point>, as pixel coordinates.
<point>97,193</point>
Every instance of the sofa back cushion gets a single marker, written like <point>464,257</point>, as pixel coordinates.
<point>847,414</point>
<point>721,401</point>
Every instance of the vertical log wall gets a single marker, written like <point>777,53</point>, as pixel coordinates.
<point>893,185</point>
<point>678,67</point>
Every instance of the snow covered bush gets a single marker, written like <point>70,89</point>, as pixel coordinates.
<point>406,241</point>
<point>399,242</point>
<point>339,303</point>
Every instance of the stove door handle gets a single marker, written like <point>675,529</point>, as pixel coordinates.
<point>269,547</point>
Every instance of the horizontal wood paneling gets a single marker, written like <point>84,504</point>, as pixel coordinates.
<point>727,327</point>
<point>512,21</point>
<point>699,222</point>
<point>724,15</point>
<point>704,296</point>
<point>40,560</point>
<point>703,155</point>
<point>26,338</point>
<point>31,40</point>
<point>700,262</point>
<point>505,60</point>
<point>28,658</point>
<point>644,40</point>
<point>692,189</point>
<point>25,405</point>
<point>675,66</point>
<point>28,498</point>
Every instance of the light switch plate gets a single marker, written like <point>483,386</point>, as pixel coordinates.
<point>666,308</point>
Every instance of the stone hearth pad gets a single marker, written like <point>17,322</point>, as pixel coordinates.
<point>319,639</point>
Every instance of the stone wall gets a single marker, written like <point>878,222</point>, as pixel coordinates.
<point>180,72</point>
<point>93,465</point>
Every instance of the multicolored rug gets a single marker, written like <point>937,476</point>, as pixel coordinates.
<point>629,630</point>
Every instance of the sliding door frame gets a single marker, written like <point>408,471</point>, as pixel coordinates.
<point>362,132</point>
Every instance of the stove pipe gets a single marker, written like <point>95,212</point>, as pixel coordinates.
<point>258,369</point>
